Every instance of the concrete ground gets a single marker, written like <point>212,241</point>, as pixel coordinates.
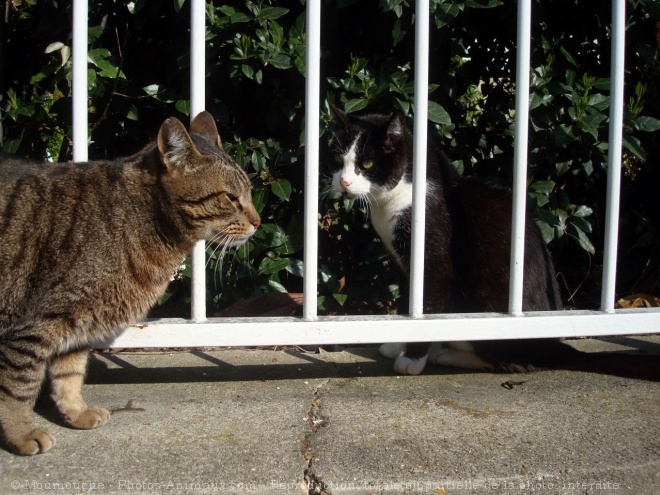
<point>276,422</point>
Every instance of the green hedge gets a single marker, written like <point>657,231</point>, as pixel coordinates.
<point>139,75</point>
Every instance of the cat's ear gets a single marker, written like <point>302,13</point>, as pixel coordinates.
<point>338,115</point>
<point>396,128</point>
<point>174,145</point>
<point>204,126</point>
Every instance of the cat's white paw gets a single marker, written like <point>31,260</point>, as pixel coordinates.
<point>456,355</point>
<point>392,350</point>
<point>403,365</point>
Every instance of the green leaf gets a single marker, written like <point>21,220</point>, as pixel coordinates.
<point>133,113</point>
<point>582,211</point>
<point>272,12</point>
<point>299,63</point>
<point>66,55</point>
<point>598,101</point>
<point>355,105</point>
<point>438,114</point>
<point>109,70</point>
<point>535,101</point>
<point>540,199</point>
<point>53,47</point>
<point>327,275</point>
<point>397,32</point>
<point>340,298</point>
<point>404,106</point>
<point>259,199</point>
<point>227,10</point>
<point>152,89</point>
<point>602,83</point>
<point>569,57</point>
<point>12,143</point>
<point>273,234</point>
<point>257,160</point>
<point>562,216</point>
<point>269,266</point>
<point>280,61</point>
<point>248,70</point>
<point>564,135</point>
<point>295,267</point>
<point>277,287</point>
<point>543,186</point>
<point>582,224</point>
<point>91,79</point>
<point>183,106</point>
<point>562,167</point>
<point>282,189</point>
<point>178,4</point>
<point>97,55</point>
<point>646,124</point>
<point>446,12</point>
<point>633,145</point>
<point>483,4</point>
<point>547,231</point>
<point>582,238</point>
<point>594,119</point>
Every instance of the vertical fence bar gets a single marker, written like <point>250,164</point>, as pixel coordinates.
<point>614,155</point>
<point>197,104</point>
<point>79,83</point>
<point>422,14</point>
<point>312,136</point>
<point>312,122</point>
<point>3,9</point>
<point>520,157</point>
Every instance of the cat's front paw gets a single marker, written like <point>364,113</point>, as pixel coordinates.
<point>37,441</point>
<point>392,350</point>
<point>91,418</point>
<point>403,365</point>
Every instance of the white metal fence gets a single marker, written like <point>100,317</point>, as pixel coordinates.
<point>312,329</point>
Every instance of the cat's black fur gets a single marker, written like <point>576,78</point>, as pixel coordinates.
<point>467,249</point>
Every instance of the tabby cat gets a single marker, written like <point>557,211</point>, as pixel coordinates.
<point>87,248</point>
<point>468,235</point>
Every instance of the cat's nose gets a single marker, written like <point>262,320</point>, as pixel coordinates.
<point>255,221</point>
<point>344,182</point>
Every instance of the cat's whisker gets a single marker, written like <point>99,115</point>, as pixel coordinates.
<point>369,205</point>
<point>338,148</point>
<point>217,240</point>
<point>246,250</point>
<point>373,199</point>
<point>224,241</point>
<point>323,195</point>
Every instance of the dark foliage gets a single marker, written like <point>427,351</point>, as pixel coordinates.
<point>138,75</point>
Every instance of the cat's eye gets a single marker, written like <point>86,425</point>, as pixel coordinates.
<point>232,199</point>
<point>367,164</point>
<point>339,159</point>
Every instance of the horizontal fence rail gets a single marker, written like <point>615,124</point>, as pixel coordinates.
<point>311,329</point>
<point>327,330</point>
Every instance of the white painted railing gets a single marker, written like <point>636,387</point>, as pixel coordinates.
<point>311,329</point>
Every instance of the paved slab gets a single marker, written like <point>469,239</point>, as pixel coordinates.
<point>255,421</point>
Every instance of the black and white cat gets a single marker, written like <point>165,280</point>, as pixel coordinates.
<point>468,232</point>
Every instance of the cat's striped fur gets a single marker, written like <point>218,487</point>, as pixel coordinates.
<point>88,248</point>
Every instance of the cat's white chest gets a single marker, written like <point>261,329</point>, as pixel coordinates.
<point>386,208</point>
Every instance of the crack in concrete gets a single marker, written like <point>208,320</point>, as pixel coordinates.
<point>316,420</point>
